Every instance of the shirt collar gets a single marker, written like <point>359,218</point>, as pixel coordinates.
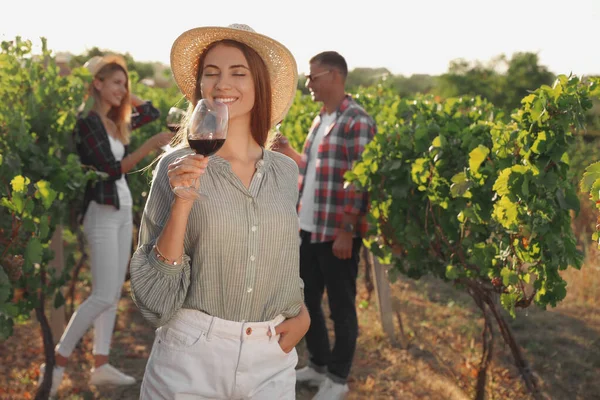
<point>220,162</point>
<point>341,108</point>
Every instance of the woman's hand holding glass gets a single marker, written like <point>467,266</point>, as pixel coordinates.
<point>185,171</point>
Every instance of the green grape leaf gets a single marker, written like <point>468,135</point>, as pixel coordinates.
<point>506,212</point>
<point>18,202</point>
<point>59,299</point>
<point>501,184</point>
<point>45,193</point>
<point>19,184</point>
<point>591,175</point>
<point>44,228</point>
<point>33,252</point>
<point>451,272</point>
<point>9,309</point>
<point>460,184</point>
<point>560,197</point>
<point>509,277</point>
<point>537,107</point>
<point>436,143</point>
<point>568,201</point>
<point>572,200</point>
<point>4,286</point>
<point>539,145</point>
<point>525,186</point>
<point>508,301</point>
<point>476,157</point>
<point>6,327</point>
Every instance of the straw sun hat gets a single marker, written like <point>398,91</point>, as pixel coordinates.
<point>96,63</point>
<point>280,62</point>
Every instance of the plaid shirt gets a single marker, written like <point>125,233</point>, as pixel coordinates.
<point>93,147</point>
<point>342,145</point>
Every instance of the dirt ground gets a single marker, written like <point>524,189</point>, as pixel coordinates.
<point>442,328</point>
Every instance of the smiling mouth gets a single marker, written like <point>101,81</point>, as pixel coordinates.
<point>225,100</point>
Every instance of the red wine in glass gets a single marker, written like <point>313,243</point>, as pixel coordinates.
<point>206,147</point>
<point>175,117</point>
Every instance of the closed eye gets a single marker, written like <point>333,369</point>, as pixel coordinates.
<point>239,70</point>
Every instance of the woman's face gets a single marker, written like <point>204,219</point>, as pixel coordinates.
<point>113,88</point>
<point>226,78</point>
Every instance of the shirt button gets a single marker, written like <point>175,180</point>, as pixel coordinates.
<point>249,199</point>
<point>254,228</point>
<point>252,258</point>
<point>259,175</point>
<point>249,290</point>
<point>249,331</point>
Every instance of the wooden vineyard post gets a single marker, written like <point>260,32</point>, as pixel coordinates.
<point>57,315</point>
<point>384,300</point>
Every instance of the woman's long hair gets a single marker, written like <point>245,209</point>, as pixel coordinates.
<point>120,115</point>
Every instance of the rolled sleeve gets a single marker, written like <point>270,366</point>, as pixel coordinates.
<point>144,114</point>
<point>157,288</point>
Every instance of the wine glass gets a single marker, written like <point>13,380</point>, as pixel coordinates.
<point>206,134</point>
<point>175,118</point>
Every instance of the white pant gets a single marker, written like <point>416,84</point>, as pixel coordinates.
<point>109,234</point>
<point>196,356</point>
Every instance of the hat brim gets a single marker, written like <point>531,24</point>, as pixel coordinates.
<point>187,48</point>
<point>95,64</point>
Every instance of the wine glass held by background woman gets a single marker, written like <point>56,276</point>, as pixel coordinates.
<point>219,276</point>
<point>101,135</point>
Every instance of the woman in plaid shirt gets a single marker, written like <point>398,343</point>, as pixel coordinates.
<point>102,137</point>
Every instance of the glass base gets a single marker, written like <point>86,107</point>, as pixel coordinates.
<point>189,193</point>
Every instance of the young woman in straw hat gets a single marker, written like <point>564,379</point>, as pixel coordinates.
<point>219,277</point>
<point>101,136</point>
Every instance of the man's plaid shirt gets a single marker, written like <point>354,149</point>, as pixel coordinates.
<point>342,145</point>
<point>93,147</point>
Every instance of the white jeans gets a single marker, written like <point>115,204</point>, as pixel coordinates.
<point>196,356</point>
<point>109,235</point>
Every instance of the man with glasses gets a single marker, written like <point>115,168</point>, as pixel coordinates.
<point>331,222</point>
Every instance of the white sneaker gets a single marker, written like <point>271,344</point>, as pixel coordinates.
<point>109,375</point>
<point>310,376</point>
<point>57,376</point>
<point>330,390</point>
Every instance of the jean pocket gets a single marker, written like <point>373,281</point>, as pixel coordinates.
<point>275,342</point>
<point>180,337</point>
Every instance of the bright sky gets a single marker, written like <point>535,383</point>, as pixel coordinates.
<point>405,36</point>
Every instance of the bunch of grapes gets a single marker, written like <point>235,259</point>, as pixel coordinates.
<point>13,266</point>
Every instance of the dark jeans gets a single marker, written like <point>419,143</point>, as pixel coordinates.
<point>320,270</point>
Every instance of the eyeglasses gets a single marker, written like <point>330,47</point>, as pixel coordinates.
<point>310,77</point>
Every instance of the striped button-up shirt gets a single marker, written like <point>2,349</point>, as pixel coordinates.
<point>343,143</point>
<point>241,260</point>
